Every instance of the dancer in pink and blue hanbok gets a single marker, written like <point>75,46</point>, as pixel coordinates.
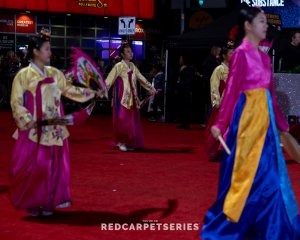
<point>255,198</point>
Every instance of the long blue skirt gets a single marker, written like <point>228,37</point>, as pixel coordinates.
<point>266,215</point>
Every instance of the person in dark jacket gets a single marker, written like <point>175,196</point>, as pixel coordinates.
<point>184,92</point>
<point>159,84</point>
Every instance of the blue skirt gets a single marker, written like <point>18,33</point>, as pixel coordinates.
<point>270,212</point>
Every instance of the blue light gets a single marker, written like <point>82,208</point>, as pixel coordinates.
<point>201,2</point>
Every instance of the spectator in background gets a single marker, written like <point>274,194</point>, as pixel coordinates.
<point>112,63</point>
<point>159,84</point>
<point>10,66</point>
<point>162,62</point>
<point>11,62</point>
<point>56,61</point>
<point>100,64</point>
<point>184,92</point>
<point>209,64</point>
<point>24,58</point>
<point>291,54</point>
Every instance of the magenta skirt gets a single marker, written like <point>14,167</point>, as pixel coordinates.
<point>212,145</point>
<point>39,175</point>
<point>127,127</point>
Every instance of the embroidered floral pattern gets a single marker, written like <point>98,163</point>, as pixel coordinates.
<point>23,117</point>
<point>130,91</point>
<point>126,97</point>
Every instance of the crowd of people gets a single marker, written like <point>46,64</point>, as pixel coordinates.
<point>10,64</point>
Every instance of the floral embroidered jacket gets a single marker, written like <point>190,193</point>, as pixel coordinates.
<point>121,70</point>
<point>24,101</point>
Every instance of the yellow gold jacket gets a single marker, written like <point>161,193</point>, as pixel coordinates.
<point>121,70</point>
<point>25,84</point>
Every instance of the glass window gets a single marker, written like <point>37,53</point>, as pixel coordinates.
<point>58,51</point>
<point>57,20</point>
<point>88,43</point>
<point>104,54</point>
<point>68,51</point>
<point>138,50</point>
<point>57,42</point>
<point>102,22</point>
<point>73,42</point>
<point>115,43</point>
<point>73,32</point>
<point>105,63</point>
<point>114,53</point>
<point>88,32</point>
<point>90,53</point>
<point>102,43</point>
<point>43,19</point>
<point>58,58</point>
<point>38,28</point>
<point>114,28</point>
<point>73,21</point>
<point>58,31</point>
<point>22,41</point>
<point>102,33</point>
<point>88,21</point>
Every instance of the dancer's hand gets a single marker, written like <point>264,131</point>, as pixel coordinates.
<point>61,121</point>
<point>100,93</point>
<point>215,132</point>
<point>31,124</point>
<point>153,91</point>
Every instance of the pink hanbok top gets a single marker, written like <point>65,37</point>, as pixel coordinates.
<point>249,68</point>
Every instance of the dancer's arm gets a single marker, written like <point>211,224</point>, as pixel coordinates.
<point>22,116</point>
<point>113,74</point>
<point>237,73</point>
<point>72,92</point>
<point>145,84</point>
<point>214,87</point>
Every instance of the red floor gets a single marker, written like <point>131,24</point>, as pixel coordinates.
<point>170,182</point>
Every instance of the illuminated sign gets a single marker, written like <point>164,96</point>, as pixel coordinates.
<point>7,41</point>
<point>289,14</point>
<point>264,3</point>
<point>25,24</point>
<point>139,32</point>
<point>7,23</point>
<point>149,33</point>
<point>274,19</point>
<point>137,8</point>
<point>126,25</point>
<point>92,3</point>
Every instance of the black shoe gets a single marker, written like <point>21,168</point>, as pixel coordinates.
<point>184,126</point>
<point>152,119</point>
<point>187,127</point>
<point>214,159</point>
<point>181,126</point>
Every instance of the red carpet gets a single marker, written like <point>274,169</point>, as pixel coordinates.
<point>170,182</point>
